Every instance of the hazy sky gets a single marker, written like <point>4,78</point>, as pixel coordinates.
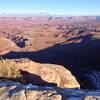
<point>65,7</point>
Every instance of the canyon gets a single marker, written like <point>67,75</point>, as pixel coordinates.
<point>56,55</point>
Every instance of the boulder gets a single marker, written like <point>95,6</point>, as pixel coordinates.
<point>43,95</point>
<point>92,98</point>
<point>92,95</point>
<point>49,73</point>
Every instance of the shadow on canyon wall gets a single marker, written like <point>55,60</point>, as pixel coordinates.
<point>79,58</point>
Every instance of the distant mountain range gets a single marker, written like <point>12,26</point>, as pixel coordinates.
<point>24,14</point>
<point>73,18</point>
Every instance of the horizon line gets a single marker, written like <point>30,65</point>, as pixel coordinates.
<point>44,13</point>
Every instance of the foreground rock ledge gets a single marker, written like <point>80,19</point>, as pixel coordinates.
<point>16,91</point>
<point>38,74</point>
<point>10,90</point>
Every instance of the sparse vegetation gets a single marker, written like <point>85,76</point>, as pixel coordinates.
<point>10,69</point>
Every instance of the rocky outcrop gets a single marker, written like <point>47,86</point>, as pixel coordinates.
<point>15,91</point>
<point>52,74</point>
<point>6,46</point>
<point>10,90</point>
<point>38,74</point>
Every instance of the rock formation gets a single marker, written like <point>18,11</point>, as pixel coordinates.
<point>72,42</point>
<point>38,74</point>
<point>6,46</point>
<point>10,90</point>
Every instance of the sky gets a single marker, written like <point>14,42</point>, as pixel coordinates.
<point>56,7</point>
